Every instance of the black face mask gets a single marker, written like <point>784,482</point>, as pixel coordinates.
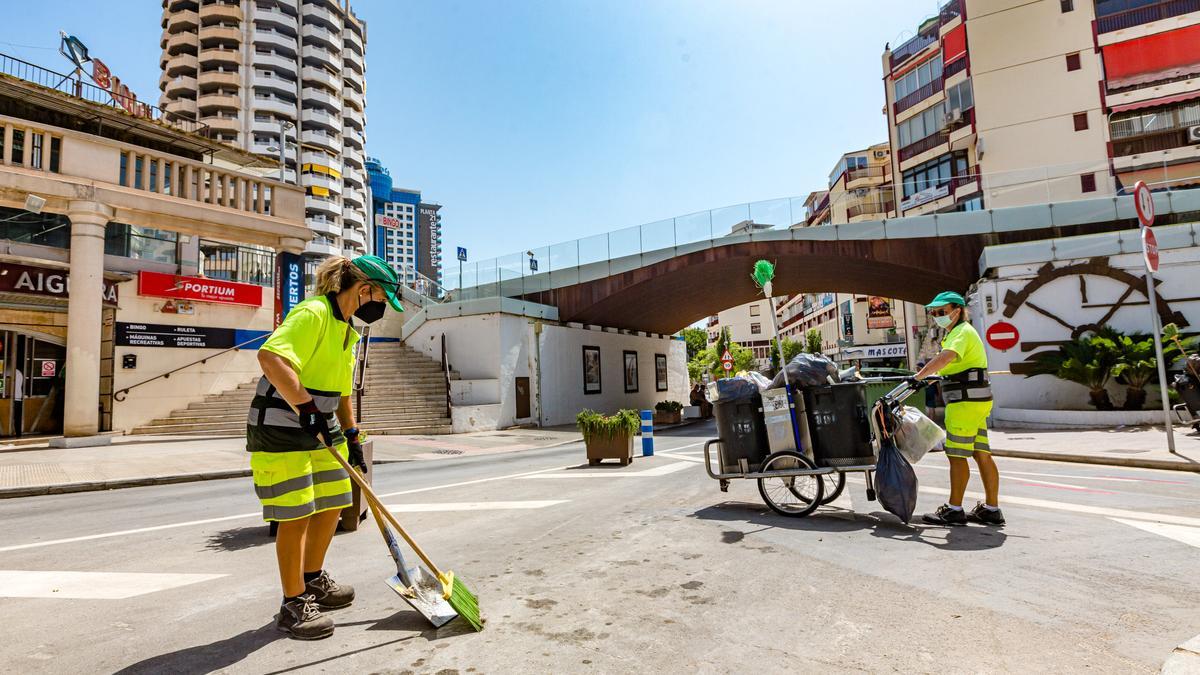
<point>370,311</point>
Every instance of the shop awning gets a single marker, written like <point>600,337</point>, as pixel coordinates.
<point>1172,175</point>
<point>1156,102</point>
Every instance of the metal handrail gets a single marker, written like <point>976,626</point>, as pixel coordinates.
<point>120,394</point>
<point>446,375</point>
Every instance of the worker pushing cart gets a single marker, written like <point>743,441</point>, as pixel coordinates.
<point>302,407</point>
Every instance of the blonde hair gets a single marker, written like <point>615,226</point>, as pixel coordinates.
<point>336,273</point>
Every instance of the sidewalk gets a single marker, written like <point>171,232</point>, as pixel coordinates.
<point>1143,447</point>
<point>154,460</point>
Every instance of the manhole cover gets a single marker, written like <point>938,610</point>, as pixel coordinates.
<point>447,451</point>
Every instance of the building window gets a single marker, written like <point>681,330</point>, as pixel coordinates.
<point>1067,5</point>
<point>755,310</point>
<point>919,77</point>
<point>755,328</point>
<point>1081,122</point>
<point>1087,182</point>
<point>1073,62</point>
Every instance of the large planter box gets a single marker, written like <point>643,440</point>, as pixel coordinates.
<point>618,447</point>
<point>667,417</point>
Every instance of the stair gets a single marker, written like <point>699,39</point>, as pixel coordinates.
<point>404,393</point>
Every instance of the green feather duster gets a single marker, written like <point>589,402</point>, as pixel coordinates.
<point>764,272</point>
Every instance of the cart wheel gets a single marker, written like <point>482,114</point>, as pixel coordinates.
<point>795,496</point>
<point>834,484</point>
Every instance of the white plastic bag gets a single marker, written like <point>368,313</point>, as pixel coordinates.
<point>917,435</point>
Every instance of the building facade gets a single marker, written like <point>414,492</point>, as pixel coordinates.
<point>406,232</point>
<point>281,79</point>
<point>133,242</point>
<point>860,186</point>
<point>749,325</point>
<point>1000,103</point>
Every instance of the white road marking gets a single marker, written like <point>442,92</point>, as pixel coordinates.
<point>686,458</point>
<point>472,506</point>
<point>615,473</point>
<point>1066,486</point>
<point>92,585</point>
<point>1108,478</point>
<point>1181,533</point>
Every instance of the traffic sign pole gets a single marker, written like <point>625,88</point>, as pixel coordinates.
<point>1143,202</point>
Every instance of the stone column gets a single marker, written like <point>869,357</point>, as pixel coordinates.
<point>81,412</point>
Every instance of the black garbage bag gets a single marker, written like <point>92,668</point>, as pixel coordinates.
<point>807,370</point>
<point>732,390</point>
<point>895,482</point>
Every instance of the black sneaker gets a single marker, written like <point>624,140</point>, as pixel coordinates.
<point>946,516</point>
<point>301,619</point>
<point>329,594</point>
<point>982,514</point>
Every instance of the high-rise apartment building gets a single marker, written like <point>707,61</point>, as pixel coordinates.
<point>280,78</point>
<point>999,103</point>
<point>406,232</point>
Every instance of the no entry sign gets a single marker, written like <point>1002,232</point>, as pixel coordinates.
<point>1003,335</point>
<point>1143,203</point>
<point>1150,248</point>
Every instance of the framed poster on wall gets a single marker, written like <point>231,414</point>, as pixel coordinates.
<point>631,372</point>
<point>660,372</point>
<point>591,369</point>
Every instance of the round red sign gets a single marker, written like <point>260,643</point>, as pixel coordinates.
<point>1143,203</point>
<point>1150,248</point>
<point>1003,335</point>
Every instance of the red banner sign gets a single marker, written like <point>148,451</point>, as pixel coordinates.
<point>199,289</point>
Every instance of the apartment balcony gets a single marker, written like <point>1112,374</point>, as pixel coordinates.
<point>274,17</point>
<point>218,33</point>
<point>219,102</point>
<point>1137,16</point>
<point>274,83</point>
<point>180,64</point>
<point>353,118</point>
<point>354,61</point>
<point>218,56</point>
<point>178,85</point>
<point>327,142</point>
<point>184,107</point>
<point>321,77</point>
<point>178,43</point>
<point>223,78</point>
<point>279,63</point>
<point>329,207</point>
<point>321,249</point>
<point>181,19</point>
<point>322,56</point>
<point>352,138</point>
<point>313,117</point>
<point>271,128</point>
<point>222,123</point>
<point>353,236</point>
<point>866,176</point>
<point>322,159</point>
<point>917,96</point>
<point>276,106</point>
<point>318,180</point>
<point>270,38</point>
<point>954,67</point>
<point>352,157</point>
<point>352,196</point>
<point>353,217</point>
<point>321,13</point>
<point>922,146</point>
<point>353,40</point>
<point>221,11</point>
<point>869,211</point>
<point>354,178</point>
<point>318,96</point>
<point>913,47</point>
<point>1151,143</point>
<point>354,98</point>
<point>315,34</point>
<point>949,12</point>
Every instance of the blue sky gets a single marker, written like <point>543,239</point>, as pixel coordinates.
<point>537,122</point>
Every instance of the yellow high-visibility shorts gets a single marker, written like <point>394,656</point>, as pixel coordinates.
<point>294,485</point>
<point>966,428</point>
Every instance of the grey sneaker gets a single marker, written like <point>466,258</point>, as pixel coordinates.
<point>301,619</point>
<point>946,516</point>
<point>982,514</point>
<point>328,593</point>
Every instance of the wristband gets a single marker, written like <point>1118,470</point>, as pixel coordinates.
<point>351,434</point>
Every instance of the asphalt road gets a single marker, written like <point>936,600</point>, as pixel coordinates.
<point>648,568</point>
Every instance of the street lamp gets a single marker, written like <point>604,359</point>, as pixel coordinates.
<point>284,125</point>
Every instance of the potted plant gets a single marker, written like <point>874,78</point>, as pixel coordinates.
<point>1137,366</point>
<point>609,436</point>
<point>1086,360</point>
<point>668,412</point>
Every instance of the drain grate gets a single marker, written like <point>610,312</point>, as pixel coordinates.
<point>447,451</point>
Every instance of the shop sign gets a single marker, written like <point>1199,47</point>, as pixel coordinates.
<point>185,337</point>
<point>891,351</point>
<point>387,221</point>
<point>925,196</point>
<point>198,289</point>
<point>44,281</point>
<point>72,48</point>
<point>879,313</point>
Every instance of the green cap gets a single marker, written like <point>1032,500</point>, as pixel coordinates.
<point>381,273</point>
<point>947,298</point>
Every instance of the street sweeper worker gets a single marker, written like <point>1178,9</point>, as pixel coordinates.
<point>301,406</point>
<point>967,393</point>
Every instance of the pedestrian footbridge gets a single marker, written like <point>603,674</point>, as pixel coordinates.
<point>662,276</point>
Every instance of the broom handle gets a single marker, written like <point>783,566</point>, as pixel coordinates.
<point>374,501</point>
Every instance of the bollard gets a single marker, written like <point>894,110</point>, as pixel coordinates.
<point>647,433</point>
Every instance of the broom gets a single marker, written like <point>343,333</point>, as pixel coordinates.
<point>453,590</point>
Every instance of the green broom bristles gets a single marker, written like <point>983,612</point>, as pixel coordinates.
<point>462,600</point>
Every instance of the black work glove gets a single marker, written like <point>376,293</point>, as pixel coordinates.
<point>354,445</point>
<point>315,422</point>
